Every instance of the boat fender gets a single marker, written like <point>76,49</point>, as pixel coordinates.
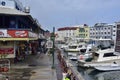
<point>81,57</point>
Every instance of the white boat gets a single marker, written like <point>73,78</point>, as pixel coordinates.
<point>76,47</point>
<point>104,60</point>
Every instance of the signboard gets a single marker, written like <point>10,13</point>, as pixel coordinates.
<point>18,33</point>
<point>117,44</point>
<point>3,33</point>
<point>49,44</point>
<point>6,50</point>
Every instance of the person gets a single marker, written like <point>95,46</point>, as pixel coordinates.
<point>66,78</point>
<point>6,78</point>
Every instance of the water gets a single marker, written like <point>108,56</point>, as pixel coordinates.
<point>92,74</point>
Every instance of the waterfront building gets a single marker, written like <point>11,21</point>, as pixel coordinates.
<point>77,33</point>
<point>66,34</point>
<point>101,30</point>
<point>83,32</point>
<point>19,31</point>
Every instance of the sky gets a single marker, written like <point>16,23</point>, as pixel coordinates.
<point>66,13</point>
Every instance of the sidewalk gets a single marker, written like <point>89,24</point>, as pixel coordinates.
<point>35,67</point>
<point>44,72</point>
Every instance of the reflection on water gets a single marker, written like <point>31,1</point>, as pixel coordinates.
<point>91,74</point>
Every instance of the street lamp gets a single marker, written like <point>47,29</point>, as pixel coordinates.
<point>53,48</point>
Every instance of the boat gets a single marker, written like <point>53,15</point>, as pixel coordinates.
<point>85,54</point>
<point>74,49</point>
<point>103,60</point>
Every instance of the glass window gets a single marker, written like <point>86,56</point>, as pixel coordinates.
<point>109,55</point>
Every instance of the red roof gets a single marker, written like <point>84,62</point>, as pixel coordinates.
<point>67,28</point>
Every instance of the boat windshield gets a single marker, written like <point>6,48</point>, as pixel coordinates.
<point>72,47</point>
<point>109,55</point>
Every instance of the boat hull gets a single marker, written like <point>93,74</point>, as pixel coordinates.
<point>107,68</point>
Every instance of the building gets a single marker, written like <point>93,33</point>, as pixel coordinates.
<point>66,34</point>
<point>101,30</point>
<point>19,31</point>
<point>83,31</point>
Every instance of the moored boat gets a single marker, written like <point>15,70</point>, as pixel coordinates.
<point>103,60</point>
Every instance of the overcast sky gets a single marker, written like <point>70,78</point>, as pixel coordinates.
<point>63,13</point>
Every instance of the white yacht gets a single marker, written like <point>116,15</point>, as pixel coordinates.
<point>85,54</point>
<point>74,49</point>
<point>104,60</point>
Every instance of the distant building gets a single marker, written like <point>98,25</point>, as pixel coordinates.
<point>101,30</point>
<point>83,31</point>
<point>66,33</point>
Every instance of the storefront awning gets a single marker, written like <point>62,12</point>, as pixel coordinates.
<point>17,39</point>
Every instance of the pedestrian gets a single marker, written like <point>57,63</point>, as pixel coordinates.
<point>66,78</point>
<point>7,78</point>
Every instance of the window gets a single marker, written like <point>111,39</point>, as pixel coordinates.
<point>109,55</point>
<point>81,30</point>
<point>109,28</point>
<point>79,46</point>
<point>72,47</point>
<point>113,30</point>
<point>108,32</point>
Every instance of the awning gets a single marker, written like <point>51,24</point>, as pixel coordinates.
<point>17,39</point>
<point>10,11</point>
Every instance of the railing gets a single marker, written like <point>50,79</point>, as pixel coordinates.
<point>66,68</point>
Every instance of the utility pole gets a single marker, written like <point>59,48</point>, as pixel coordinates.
<point>53,48</point>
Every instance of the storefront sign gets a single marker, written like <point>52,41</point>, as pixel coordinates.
<point>3,33</point>
<point>6,51</point>
<point>18,33</point>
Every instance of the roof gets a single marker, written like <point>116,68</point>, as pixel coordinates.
<point>67,28</point>
<point>10,11</point>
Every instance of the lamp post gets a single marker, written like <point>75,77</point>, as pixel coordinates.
<point>53,48</point>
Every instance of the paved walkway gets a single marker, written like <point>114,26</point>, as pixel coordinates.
<point>35,67</point>
<point>45,72</point>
